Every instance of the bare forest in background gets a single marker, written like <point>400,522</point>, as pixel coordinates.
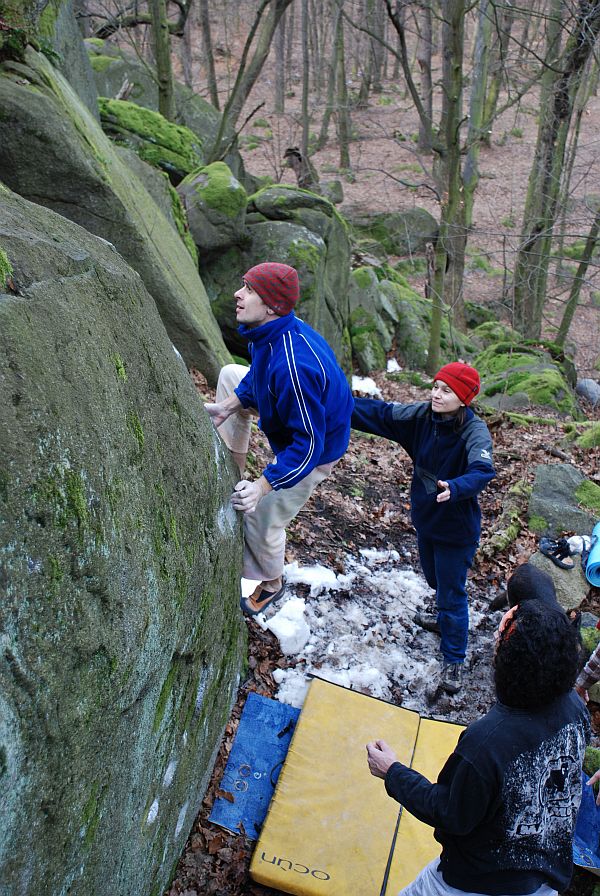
<point>484,113</point>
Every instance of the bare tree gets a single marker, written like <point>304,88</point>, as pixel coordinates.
<point>262,30</point>
<point>207,49</point>
<point>561,80</point>
<point>162,52</point>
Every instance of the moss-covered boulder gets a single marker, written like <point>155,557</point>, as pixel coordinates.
<point>563,500</point>
<point>59,27</point>
<point>171,147</point>
<point>83,178</point>
<point>112,66</point>
<point>215,205</point>
<point>386,312</point>
<point>164,194</point>
<point>304,230</point>
<point>398,232</point>
<point>119,562</point>
<point>516,375</point>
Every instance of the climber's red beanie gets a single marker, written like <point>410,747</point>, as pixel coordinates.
<point>462,379</point>
<point>276,284</point>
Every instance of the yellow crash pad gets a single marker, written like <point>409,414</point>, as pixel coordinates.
<point>331,825</point>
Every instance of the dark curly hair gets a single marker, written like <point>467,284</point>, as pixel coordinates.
<point>536,657</point>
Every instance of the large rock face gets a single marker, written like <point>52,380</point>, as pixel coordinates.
<point>120,631</point>
<point>52,151</point>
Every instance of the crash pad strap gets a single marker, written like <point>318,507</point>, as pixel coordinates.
<point>331,824</point>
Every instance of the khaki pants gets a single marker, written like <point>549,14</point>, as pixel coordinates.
<point>264,530</point>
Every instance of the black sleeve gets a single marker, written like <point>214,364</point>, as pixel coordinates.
<point>456,806</point>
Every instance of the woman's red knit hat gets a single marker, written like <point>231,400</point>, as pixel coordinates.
<point>462,379</point>
<point>277,285</point>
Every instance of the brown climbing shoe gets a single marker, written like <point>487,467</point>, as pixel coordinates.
<point>259,600</point>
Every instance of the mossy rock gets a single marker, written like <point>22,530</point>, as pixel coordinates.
<point>591,762</point>
<point>476,315</point>
<point>164,194</point>
<point>590,638</point>
<point>117,65</point>
<point>590,437</point>
<point>513,370</point>
<point>84,178</point>
<point>215,204</point>
<point>120,559</point>
<point>366,339</point>
<point>171,147</point>
<point>493,332</point>
<point>399,233</point>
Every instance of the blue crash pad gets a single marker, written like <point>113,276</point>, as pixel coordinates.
<point>257,755</point>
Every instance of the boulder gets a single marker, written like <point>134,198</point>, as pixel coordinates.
<point>399,233</point>
<point>571,584</point>
<point>589,389</point>
<point>563,500</point>
<point>120,558</point>
<point>83,178</point>
<point>172,148</point>
<point>510,369</point>
<point>386,312</point>
<point>113,66</point>
<point>58,25</point>
<point>215,205</point>
<point>164,194</point>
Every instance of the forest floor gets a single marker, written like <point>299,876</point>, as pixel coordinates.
<point>364,505</point>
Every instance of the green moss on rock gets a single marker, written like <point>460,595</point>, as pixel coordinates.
<point>588,495</point>
<point>219,189</point>
<point>100,62</point>
<point>6,270</point>
<point>159,142</point>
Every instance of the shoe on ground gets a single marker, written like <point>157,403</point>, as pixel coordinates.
<point>259,600</point>
<point>428,621</point>
<point>451,677</point>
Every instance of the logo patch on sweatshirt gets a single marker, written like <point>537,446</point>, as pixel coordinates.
<point>486,454</point>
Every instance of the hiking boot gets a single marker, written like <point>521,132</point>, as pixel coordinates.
<point>259,600</point>
<point>428,621</point>
<point>451,677</point>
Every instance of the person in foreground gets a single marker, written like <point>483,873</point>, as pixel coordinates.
<point>451,451</point>
<point>505,804</point>
<point>304,404</point>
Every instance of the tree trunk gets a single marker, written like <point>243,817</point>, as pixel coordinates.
<point>343,112</point>
<point>162,52</point>
<point>424,61</point>
<point>279,105</point>
<point>572,301</point>
<point>248,72</point>
<point>476,107</point>
<point>305,78</point>
<point>207,49</point>
<point>451,244</point>
<point>498,52</point>
<point>560,84</point>
<point>331,83</point>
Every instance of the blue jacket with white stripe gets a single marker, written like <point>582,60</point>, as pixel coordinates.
<point>302,397</point>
